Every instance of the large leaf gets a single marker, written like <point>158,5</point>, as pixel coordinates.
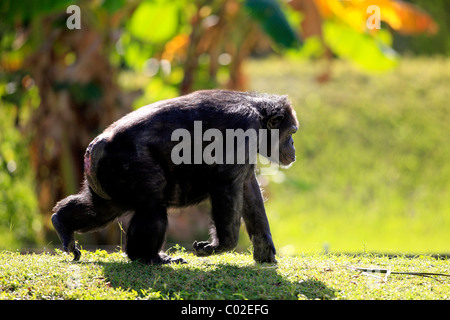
<point>155,22</point>
<point>401,16</point>
<point>368,52</point>
<point>412,19</point>
<point>273,21</point>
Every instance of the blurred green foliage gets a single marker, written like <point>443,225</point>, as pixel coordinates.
<point>20,221</point>
<point>272,19</point>
<point>366,52</point>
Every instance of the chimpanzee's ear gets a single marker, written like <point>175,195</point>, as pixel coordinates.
<point>274,122</point>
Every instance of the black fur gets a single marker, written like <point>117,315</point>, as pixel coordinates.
<point>128,168</point>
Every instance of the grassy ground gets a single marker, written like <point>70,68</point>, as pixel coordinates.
<point>373,170</point>
<point>100,275</point>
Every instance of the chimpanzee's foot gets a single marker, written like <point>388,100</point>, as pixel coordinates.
<point>66,237</point>
<point>204,248</point>
<point>161,258</point>
<point>165,259</point>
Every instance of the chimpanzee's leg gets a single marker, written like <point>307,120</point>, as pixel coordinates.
<point>146,235</point>
<point>226,202</point>
<point>256,222</point>
<point>140,183</point>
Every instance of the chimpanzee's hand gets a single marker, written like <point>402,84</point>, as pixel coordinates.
<point>263,249</point>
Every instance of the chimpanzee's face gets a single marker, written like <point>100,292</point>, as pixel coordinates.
<point>287,125</point>
<point>287,149</point>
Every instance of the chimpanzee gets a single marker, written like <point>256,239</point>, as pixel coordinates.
<point>129,168</point>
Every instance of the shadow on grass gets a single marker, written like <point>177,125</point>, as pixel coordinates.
<point>215,281</point>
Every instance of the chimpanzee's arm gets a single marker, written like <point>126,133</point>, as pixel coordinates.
<point>256,222</point>
<point>226,202</point>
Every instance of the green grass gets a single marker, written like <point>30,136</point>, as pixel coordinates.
<point>232,276</point>
<point>373,170</point>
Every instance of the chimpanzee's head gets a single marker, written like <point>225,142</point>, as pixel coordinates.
<point>281,116</point>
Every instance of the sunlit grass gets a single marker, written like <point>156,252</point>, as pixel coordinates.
<point>230,276</point>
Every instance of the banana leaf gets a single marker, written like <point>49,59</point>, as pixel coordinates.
<point>273,21</point>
